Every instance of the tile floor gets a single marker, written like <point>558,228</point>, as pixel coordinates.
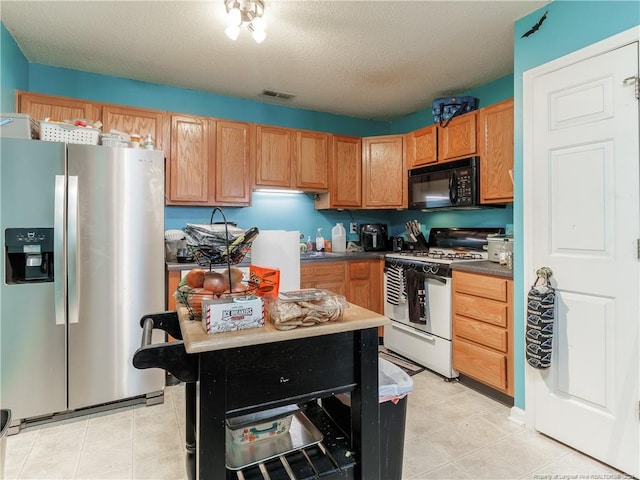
<point>452,432</point>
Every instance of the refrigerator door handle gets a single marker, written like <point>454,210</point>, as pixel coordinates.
<point>72,250</point>
<point>58,251</point>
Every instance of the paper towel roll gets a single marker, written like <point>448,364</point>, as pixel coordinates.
<point>279,249</point>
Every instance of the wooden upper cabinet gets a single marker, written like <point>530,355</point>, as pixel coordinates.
<point>422,147</point>
<point>311,160</point>
<point>190,176</point>
<point>384,173</point>
<point>232,163</point>
<point>495,132</point>
<point>458,139</point>
<point>273,157</point>
<point>345,174</point>
<point>135,120</point>
<point>39,107</point>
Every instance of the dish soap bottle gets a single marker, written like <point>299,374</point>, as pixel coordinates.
<point>319,240</point>
<point>309,244</point>
<point>338,238</point>
<point>502,254</point>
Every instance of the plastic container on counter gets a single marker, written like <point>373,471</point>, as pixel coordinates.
<point>305,308</point>
<point>339,238</point>
<point>258,426</point>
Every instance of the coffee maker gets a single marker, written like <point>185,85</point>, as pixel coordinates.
<point>374,236</point>
<point>28,255</point>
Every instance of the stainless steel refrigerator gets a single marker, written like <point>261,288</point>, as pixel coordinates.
<point>83,261</point>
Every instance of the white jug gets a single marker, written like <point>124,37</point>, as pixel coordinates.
<point>338,238</point>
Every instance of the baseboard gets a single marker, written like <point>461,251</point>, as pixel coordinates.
<point>518,416</point>
<point>486,390</point>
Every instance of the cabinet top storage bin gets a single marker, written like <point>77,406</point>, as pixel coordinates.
<point>59,132</point>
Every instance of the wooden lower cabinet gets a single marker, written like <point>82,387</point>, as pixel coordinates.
<point>173,279</point>
<point>360,281</point>
<point>326,275</point>
<point>364,284</point>
<point>483,329</point>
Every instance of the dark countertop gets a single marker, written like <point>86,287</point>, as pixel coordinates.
<point>484,267</point>
<point>322,257</point>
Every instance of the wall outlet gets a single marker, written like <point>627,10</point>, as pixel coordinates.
<point>353,227</point>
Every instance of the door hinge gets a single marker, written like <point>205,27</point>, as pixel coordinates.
<point>636,82</point>
<point>638,245</point>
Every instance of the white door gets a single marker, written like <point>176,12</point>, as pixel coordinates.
<point>582,219</point>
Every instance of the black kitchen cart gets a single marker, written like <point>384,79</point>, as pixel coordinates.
<point>236,373</point>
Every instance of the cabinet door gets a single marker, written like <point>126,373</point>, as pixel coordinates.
<point>135,120</point>
<point>190,177</point>
<point>39,107</point>
<point>384,173</point>
<point>273,157</point>
<point>458,139</point>
<point>364,284</point>
<point>495,126</point>
<point>325,275</point>
<point>311,160</point>
<point>345,174</point>
<point>423,147</point>
<point>232,163</point>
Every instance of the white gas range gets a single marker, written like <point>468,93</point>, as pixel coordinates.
<point>418,294</point>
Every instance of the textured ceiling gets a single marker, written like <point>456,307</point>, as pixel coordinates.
<point>368,59</point>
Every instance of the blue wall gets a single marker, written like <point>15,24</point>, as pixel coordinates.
<point>14,70</point>
<point>103,88</point>
<point>570,25</point>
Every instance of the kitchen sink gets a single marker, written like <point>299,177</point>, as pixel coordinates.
<point>320,255</point>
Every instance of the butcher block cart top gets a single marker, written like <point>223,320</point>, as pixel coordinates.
<point>250,370</point>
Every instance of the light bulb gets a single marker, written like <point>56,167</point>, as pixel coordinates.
<point>259,35</point>
<point>232,31</point>
<point>257,30</point>
<point>235,17</point>
<point>258,24</point>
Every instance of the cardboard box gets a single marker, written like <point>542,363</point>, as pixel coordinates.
<point>19,125</point>
<point>232,313</point>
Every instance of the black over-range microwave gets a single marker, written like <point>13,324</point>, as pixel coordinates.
<point>445,186</point>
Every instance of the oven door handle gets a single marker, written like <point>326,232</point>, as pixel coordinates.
<point>436,278</point>
<point>412,331</point>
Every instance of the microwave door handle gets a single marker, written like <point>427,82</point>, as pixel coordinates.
<point>453,188</point>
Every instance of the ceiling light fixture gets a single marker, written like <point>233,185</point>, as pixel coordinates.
<point>249,12</point>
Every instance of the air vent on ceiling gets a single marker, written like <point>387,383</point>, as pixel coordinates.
<point>280,95</point>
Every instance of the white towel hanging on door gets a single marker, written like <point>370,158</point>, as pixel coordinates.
<point>396,286</point>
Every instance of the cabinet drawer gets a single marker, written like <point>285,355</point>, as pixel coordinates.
<point>358,270</point>
<point>480,363</point>
<point>481,333</point>
<point>321,272</point>
<point>485,286</point>
<point>482,309</point>
<point>272,372</point>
